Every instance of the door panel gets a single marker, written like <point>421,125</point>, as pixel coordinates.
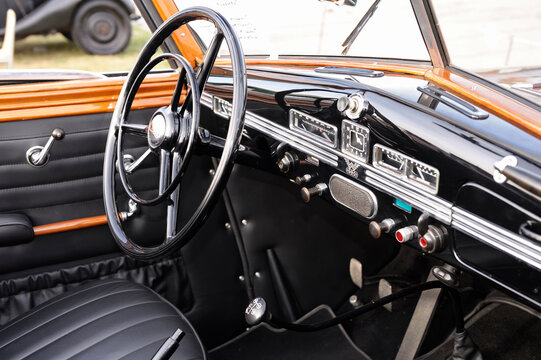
<point>68,187</point>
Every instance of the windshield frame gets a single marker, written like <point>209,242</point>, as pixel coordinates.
<point>428,22</point>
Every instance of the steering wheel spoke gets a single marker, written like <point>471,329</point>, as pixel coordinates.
<point>134,165</point>
<point>206,67</point>
<point>178,90</point>
<point>172,204</point>
<point>209,59</point>
<point>135,129</point>
<point>165,167</point>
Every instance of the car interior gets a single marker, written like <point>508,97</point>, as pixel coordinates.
<point>293,208</point>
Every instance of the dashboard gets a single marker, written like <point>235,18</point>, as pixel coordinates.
<point>397,165</point>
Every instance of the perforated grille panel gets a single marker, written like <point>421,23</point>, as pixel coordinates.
<point>353,196</point>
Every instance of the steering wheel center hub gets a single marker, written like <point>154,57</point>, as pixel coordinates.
<point>161,130</point>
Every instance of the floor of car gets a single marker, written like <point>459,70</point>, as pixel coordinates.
<point>263,342</point>
<point>503,332</point>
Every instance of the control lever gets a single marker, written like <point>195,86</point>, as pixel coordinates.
<point>431,238</point>
<point>258,312</point>
<point>39,155</point>
<point>169,347</point>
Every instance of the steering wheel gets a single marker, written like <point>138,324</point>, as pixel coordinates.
<point>172,132</point>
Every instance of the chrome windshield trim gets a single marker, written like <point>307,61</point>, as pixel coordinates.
<point>434,43</point>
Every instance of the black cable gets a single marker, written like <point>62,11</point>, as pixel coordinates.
<point>373,305</point>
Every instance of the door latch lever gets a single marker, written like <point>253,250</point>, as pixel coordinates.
<point>38,156</point>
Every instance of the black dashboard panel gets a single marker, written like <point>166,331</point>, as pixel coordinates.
<point>436,151</point>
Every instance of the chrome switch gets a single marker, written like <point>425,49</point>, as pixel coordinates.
<point>308,193</point>
<point>385,226</point>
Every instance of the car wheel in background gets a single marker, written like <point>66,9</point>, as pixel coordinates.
<point>101,27</point>
<point>67,35</point>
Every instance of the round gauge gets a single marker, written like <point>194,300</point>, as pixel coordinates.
<point>423,174</point>
<point>355,140</point>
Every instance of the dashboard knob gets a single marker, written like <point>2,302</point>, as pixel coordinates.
<point>377,229</point>
<point>288,162</point>
<point>308,193</point>
<point>407,233</point>
<point>353,106</point>
<point>433,240</point>
<point>342,104</point>
<point>299,180</point>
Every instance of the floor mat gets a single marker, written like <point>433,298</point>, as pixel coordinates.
<point>263,342</point>
<point>505,333</point>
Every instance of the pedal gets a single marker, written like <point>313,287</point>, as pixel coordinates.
<point>385,289</point>
<point>356,272</point>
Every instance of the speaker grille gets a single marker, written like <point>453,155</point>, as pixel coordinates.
<point>353,196</point>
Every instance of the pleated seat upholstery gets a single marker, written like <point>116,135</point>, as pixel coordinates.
<point>113,319</point>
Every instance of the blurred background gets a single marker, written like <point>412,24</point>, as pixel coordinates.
<point>106,35</point>
<point>96,35</point>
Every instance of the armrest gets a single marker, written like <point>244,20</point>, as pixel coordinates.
<point>15,229</point>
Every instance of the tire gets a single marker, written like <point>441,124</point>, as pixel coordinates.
<point>67,35</point>
<point>101,27</point>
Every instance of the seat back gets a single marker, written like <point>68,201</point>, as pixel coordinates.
<point>8,45</point>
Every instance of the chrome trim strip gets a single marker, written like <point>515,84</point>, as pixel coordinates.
<point>279,133</point>
<point>497,237</point>
<point>436,207</point>
<point>440,209</point>
<point>360,187</point>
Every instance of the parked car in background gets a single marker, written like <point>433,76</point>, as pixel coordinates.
<point>96,26</point>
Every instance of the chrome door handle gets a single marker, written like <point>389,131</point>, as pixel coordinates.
<point>39,155</point>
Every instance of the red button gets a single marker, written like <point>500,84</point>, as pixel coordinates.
<point>399,236</point>
<point>422,242</point>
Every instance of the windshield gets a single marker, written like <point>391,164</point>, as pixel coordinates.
<point>498,39</point>
<point>318,28</point>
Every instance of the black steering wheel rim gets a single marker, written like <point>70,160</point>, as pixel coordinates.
<point>234,134</point>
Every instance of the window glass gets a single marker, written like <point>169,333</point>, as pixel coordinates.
<point>91,38</point>
<point>312,27</point>
<point>498,39</point>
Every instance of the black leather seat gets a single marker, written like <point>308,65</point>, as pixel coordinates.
<point>113,319</point>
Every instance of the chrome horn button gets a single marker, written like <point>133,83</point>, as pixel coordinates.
<point>161,130</point>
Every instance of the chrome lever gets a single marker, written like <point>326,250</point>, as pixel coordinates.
<point>39,155</point>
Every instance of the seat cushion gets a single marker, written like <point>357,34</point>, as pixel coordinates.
<point>111,319</point>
